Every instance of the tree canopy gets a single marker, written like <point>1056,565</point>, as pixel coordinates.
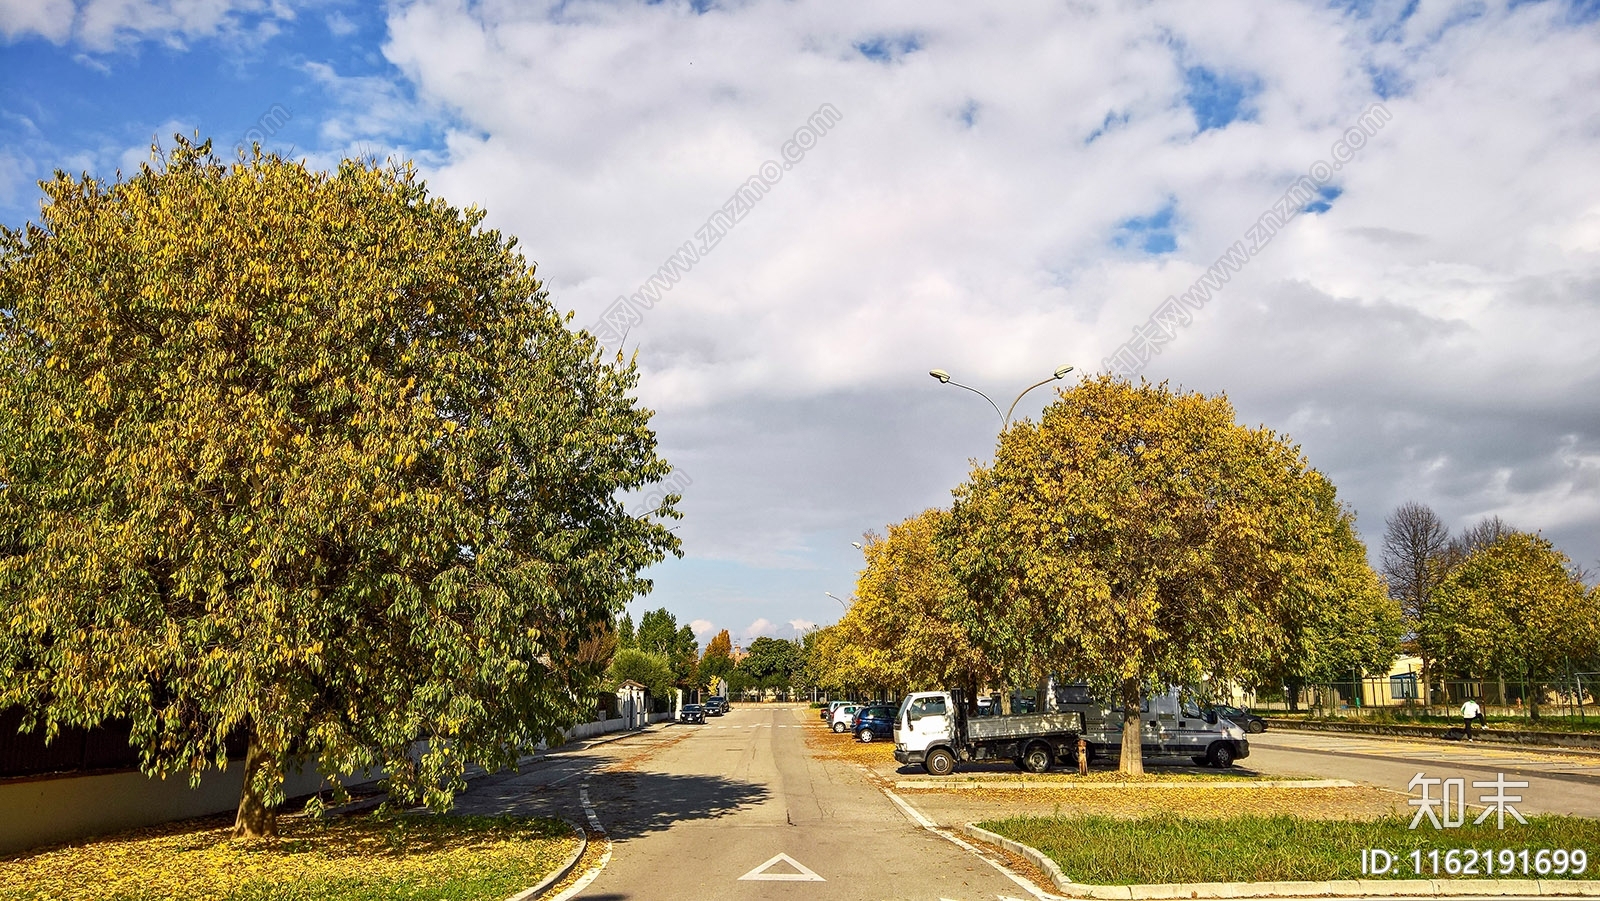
<point>659,633</point>
<point>772,662</point>
<point>717,661</point>
<point>310,458</point>
<point>653,671</point>
<point>1512,606</point>
<point>898,635</point>
<point>1347,623</point>
<point>1139,536</point>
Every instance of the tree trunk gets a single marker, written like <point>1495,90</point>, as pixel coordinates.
<point>1132,732</point>
<point>255,818</point>
<point>1533,690</point>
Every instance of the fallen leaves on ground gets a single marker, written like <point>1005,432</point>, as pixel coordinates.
<point>370,856</point>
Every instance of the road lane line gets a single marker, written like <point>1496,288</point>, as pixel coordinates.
<point>917,817</point>
<point>588,810</point>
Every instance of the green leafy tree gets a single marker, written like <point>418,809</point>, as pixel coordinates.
<point>1136,536</point>
<point>625,634</point>
<point>1513,606</point>
<point>1346,622</point>
<point>899,635</point>
<point>653,671</point>
<point>308,458</point>
<point>686,658</point>
<point>658,632</point>
<point>739,681</point>
<point>772,662</point>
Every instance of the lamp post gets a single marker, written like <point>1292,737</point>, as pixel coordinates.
<point>1005,418</point>
<point>1005,422</point>
<point>839,599</point>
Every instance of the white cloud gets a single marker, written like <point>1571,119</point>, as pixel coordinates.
<point>704,629</point>
<point>1426,337</point>
<point>49,19</point>
<point>760,627</point>
<point>101,25</point>
<point>789,364</point>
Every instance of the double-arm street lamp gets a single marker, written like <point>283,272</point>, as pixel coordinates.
<point>1005,418</point>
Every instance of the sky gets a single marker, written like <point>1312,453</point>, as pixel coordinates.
<point>1374,225</point>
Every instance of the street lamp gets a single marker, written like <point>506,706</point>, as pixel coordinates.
<point>839,599</point>
<point>1005,418</point>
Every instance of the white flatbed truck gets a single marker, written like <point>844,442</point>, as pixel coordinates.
<point>932,729</point>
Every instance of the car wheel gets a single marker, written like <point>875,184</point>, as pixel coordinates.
<point>1221,755</point>
<point>864,734</point>
<point>939,763</point>
<point>1256,727</point>
<point>840,727</point>
<point>1037,758</point>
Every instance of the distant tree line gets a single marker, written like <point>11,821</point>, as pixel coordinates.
<point>1493,602</point>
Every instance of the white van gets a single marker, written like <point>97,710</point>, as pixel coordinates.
<point>1170,726</point>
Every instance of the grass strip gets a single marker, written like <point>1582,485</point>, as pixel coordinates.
<point>1169,848</point>
<point>421,856</point>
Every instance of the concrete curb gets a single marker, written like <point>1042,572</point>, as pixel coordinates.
<point>1032,855</point>
<point>946,785</point>
<point>529,894</point>
<point>1337,888</point>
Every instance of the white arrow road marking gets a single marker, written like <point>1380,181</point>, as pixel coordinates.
<point>806,874</point>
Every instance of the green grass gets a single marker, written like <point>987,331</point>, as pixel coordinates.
<point>1168,848</point>
<point>363,858</point>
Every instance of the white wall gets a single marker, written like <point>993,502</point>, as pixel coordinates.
<point>48,810</point>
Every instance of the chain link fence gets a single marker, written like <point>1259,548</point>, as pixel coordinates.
<point>1572,694</point>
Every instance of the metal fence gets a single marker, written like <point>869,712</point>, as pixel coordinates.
<point>1572,694</point>
<point>100,749</point>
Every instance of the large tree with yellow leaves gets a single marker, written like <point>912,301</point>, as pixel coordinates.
<point>305,459</point>
<point>1136,537</point>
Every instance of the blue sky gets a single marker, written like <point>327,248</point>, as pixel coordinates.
<point>1007,191</point>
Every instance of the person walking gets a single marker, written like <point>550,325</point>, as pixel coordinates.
<point>1469,712</point>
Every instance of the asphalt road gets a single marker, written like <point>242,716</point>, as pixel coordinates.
<point>1557,783</point>
<point>696,811</point>
<point>702,812</point>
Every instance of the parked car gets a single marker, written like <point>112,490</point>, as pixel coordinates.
<point>691,713</point>
<point>1240,717</point>
<point>845,716</point>
<point>873,723</point>
<point>716,706</point>
<point>831,709</point>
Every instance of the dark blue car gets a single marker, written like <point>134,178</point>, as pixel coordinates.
<point>874,722</point>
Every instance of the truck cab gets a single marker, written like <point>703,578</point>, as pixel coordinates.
<point>932,729</point>
<point>923,723</point>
